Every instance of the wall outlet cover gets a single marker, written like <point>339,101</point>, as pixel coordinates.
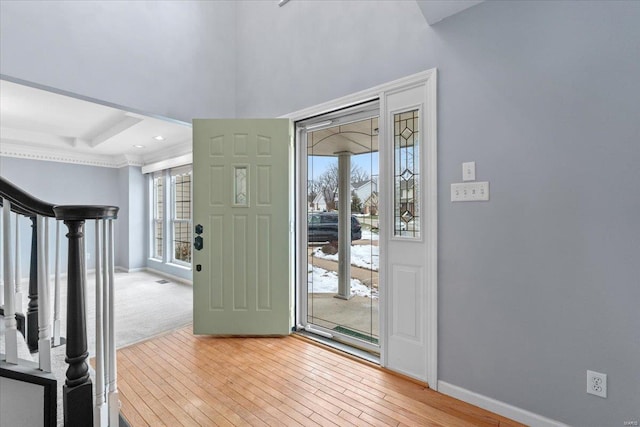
<point>597,384</point>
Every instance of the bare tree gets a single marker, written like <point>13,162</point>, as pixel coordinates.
<point>313,189</point>
<point>358,175</point>
<point>328,182</point>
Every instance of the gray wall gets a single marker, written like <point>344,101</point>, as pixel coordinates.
<point>65,183</point>
<point>138,224</point>
<point>122,254</point>
<point>541,283</point>
<point>170,58</point>
<point>305,53</point>
<point>132,226</point>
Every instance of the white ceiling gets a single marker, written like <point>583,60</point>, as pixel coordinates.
<point>37,123</point>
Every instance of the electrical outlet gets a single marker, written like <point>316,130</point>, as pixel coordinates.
<point>597,383</point>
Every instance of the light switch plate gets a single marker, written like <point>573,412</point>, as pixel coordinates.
<point>469,171</point>
<point>470,191</point>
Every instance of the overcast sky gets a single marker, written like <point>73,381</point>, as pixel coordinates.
<point>318,164</point>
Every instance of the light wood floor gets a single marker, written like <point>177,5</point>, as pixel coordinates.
<point>181,379</point>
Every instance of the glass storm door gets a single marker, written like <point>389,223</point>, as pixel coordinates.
<point>341,245</point>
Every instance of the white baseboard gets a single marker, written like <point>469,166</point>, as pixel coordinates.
<point>498,407</point>
<point>129,270</point>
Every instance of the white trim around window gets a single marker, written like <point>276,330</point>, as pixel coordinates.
<point>170,210</point>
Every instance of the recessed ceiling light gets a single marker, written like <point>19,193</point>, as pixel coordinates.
<point>139,146</point>
<point>159,138</point>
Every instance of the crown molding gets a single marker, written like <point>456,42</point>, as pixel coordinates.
<point>20,150</point>
<point>176,150</point>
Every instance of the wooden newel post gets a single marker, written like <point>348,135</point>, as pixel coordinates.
<point>32,308</point>
<point>77,391</point>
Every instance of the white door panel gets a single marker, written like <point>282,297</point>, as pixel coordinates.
<point>410,235</point>
<point>406,324</point>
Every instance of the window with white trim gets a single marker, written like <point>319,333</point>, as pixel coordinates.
<point>157,206</point>
<point>181,215</point>
<point>170,219</point>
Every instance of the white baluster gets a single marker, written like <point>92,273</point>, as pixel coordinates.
<point>56,291</point>
<point>2,258</point>
<point>11,332</point>
<point>105,309</point>
<point>101,415</point>
<point>44,325</point>
<point>17,268</point>
<point>105,302</point>
<point>114,401</point>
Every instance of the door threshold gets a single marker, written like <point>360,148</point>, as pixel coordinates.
<point>341,347</point>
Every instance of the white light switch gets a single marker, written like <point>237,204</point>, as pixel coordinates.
<point>469,171</point>
<point>470,191</point>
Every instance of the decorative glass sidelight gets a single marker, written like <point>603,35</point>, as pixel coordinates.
<point>406,173</point>
<point>240,186</point>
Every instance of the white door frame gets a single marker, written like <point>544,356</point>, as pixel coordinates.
<point>428,80</point>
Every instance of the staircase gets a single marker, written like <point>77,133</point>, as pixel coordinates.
<point>20,375</point>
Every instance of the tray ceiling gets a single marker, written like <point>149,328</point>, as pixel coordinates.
<point>35,121</point>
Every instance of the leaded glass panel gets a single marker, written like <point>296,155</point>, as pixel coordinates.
<point>406,133</point>
<point>240,186</point>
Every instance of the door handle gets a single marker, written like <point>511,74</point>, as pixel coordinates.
<point>198,243</point>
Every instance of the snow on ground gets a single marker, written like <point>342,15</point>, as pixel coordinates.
<point>364,256</point>
<point>321,281</point>
<point>368,235</point>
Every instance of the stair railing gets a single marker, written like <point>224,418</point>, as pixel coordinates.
<point>77,391</point>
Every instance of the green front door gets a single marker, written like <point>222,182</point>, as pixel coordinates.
<point>241,275</point>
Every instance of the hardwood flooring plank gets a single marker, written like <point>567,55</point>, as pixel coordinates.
<point>134,416</point>
<point>269,394</point>
<point>226,405</point>
<point>186,400</point>
<point>181,379</point>
<point>270,390</point>
<point>352,420</point>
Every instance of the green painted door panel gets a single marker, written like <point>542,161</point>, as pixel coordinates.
<point>241,199</point>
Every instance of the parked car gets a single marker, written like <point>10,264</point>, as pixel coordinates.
<point>323,227</point>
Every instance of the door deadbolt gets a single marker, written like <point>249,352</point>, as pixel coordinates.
<point>198,243</point>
